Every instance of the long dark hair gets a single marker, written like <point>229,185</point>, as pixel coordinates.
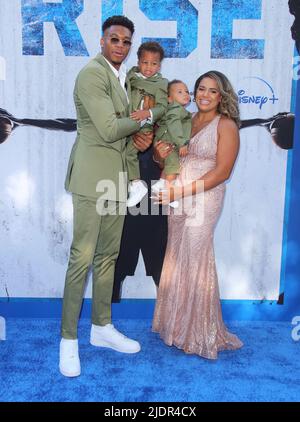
<point>229,105</point>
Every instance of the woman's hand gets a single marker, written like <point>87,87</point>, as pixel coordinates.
<point>167,195</point>
<point>161,151</point>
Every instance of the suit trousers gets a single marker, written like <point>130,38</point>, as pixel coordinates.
<point>97,231</point>
<point>145,233</point>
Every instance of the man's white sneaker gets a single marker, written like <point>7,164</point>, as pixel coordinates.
<point>69,363</point>
<point>137,190</point>
<point>108,336</point>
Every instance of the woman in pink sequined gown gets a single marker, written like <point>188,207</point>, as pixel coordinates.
<point>188,313</point>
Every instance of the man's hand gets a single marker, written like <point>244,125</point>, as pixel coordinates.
<point>140,115</point>
<point>142,140</point>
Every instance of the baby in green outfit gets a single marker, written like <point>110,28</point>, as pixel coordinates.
<point>175,128</point>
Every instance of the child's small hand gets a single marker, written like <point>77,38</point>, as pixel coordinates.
<point>183,151</point>
<point>140,115</point>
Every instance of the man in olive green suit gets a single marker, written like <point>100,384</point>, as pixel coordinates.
<point>96,177</point>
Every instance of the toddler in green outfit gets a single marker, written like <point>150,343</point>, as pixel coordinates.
<point>149,101</point>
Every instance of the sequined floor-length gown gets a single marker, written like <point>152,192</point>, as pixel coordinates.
<point>188,312</point>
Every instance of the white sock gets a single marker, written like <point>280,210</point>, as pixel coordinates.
<point>159,184</point>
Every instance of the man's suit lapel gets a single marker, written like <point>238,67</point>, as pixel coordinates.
<point>114,81</point>
<point>128,89</point>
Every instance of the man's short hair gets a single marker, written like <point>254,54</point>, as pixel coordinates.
<point>153,47</point>
<point>118,20</point>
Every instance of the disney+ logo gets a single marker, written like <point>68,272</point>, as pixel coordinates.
<point>261,93</point>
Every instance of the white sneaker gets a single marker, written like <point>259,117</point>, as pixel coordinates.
<point>69,363</point>
<point>137,190</point>
<point>108,336</point>
<point>174,204</point>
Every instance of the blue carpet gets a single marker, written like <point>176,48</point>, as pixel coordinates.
<point>267,368</point>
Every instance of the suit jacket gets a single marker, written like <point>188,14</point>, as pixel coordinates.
<point>103,125</point>
<point>156,86</point>
<point>176,125</point>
